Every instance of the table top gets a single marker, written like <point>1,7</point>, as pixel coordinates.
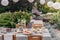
<point>44,34</point>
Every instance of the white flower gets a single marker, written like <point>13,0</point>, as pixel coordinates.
<point>30,1</point>
<point>56,5</point>
<point>23,21</point>
<point>42,2</point>
<point>4,2</point>
<point>50,3</point>
<point>15,0</point>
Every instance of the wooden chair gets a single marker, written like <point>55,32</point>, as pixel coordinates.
<point>34,37</point>
<point>37,24</point>
<point>14,37</point>
<point>17,25</point>
<point>2,37</point>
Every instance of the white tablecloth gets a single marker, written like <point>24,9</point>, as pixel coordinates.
<point>0,37</point>
<point>19,36</point>
<point>8,36</point>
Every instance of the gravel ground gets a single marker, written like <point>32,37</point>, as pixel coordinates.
<point>54,32</point>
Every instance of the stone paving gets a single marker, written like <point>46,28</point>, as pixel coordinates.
<point>54,32</point>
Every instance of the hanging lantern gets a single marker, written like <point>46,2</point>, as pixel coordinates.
<point>50,3</point>
<point>56,5</point>
<point>4,2</point>
<point>42,2</point>
<point>31,1</point>
<point>15,0</point>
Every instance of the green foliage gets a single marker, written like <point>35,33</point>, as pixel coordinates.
<point>56,19</point>
<point>9,19</point>
<point>21,5</point>
<point>5,19</point>
<point>22,15</point>
<point>58,26</point>
<point>53,0</point>
<point>43,8</point>
<point>24,5</point>
<point>3,9</point>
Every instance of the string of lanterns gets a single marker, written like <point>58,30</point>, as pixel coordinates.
<point>31,1</point>
<point>15,0</point>
<point>6,2</point>
<point>55,5</point>
<point>42,2</point>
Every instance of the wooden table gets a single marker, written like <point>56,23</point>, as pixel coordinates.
<point>30,37</point>
<point>34,37</point>
<point>44,36</point>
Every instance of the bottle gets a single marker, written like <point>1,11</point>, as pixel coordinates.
<point>21,28</point>
<point>17,25</point>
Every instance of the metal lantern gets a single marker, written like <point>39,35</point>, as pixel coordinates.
<point>50,3</point>
<point>4,2</point>
<point>31,1</point>
<point>56,5</point>
<point>15,0</point>
<point>42,2</point>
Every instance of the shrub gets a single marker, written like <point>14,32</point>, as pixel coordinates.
<point>56,19</point>
<point>9,19</point>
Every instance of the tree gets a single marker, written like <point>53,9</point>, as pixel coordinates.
<point>23,5</point>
